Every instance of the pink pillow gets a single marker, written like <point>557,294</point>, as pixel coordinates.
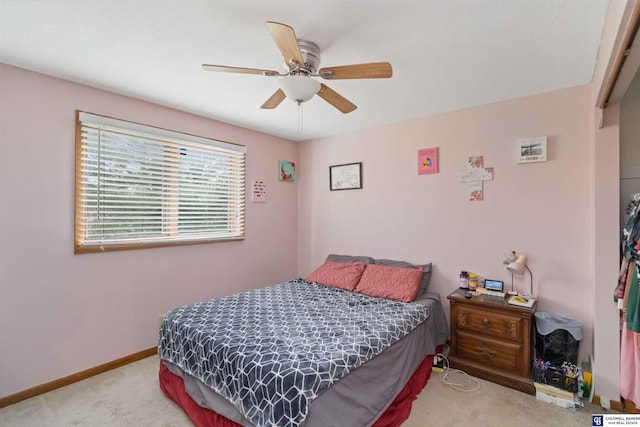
<point>390,282</point>
<point>338,274</point>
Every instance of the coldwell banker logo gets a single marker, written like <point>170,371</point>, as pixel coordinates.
<point>597,420</point>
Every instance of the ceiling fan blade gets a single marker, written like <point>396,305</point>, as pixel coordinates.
<point>225,69</point>
<point>373,70</point>
<point>335,99</point>
<point>274,100</point>
<point>285,39</point>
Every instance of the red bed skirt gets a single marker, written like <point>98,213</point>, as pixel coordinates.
<point>396,414</point>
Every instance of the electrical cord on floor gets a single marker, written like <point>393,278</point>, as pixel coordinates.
<point>471,384</point>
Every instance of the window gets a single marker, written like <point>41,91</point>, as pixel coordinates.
<point>139,186</point>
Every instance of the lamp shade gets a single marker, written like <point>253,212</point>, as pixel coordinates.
<point>299,88</point>
<point>509,258</point>
<point>518,266</point>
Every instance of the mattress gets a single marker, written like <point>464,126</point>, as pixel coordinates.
<point>361,395</point>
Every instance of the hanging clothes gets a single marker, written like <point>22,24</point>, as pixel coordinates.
<point>629,245</point>
<point>628,290</point>
<point>622,280</point>
<point>630,365</point>
<point>631,301</point>
<point>631,229</point>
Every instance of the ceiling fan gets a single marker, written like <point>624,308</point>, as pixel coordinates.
<point>302,59</point>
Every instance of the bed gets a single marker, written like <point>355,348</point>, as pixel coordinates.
<point>331,349</point>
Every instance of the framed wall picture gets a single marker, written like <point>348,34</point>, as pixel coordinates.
<point>532,149</point>
<point>345,177</point>
<point>287,171</point>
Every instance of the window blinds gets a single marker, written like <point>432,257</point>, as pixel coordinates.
<point>138,185</point>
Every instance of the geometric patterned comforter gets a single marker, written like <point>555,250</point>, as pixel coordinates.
<point>270,351</point>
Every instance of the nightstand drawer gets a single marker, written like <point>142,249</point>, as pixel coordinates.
<point>496,325</point>
<point>489,352</point>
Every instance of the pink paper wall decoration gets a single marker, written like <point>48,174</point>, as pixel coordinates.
<point>428,161</point>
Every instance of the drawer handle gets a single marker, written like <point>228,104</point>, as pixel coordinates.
<point>486,352</point>
<point>486,323</point>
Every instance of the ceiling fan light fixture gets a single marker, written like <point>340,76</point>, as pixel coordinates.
<point>299,88</point>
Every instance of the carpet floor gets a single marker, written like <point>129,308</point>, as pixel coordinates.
<point>130,396</point>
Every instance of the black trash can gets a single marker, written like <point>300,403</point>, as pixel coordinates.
<point>557,338</point>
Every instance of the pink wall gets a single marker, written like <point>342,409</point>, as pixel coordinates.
<point>541,209</point>
<point>398,214</point>
<point>62,313</point>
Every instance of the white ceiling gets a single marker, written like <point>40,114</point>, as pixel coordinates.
<point>446,54</point>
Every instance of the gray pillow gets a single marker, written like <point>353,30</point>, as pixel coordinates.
<point>426,271</point>
<point>349,258</point>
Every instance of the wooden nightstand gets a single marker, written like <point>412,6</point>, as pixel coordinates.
<point>491,339</point>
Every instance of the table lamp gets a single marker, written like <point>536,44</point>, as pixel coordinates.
<point>517,264</point>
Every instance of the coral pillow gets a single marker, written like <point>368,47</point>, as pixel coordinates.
<point>426,271</point>
<point>390,282</point>
<point>338,274</point>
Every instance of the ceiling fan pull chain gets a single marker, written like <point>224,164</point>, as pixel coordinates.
<point>299,117</point>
